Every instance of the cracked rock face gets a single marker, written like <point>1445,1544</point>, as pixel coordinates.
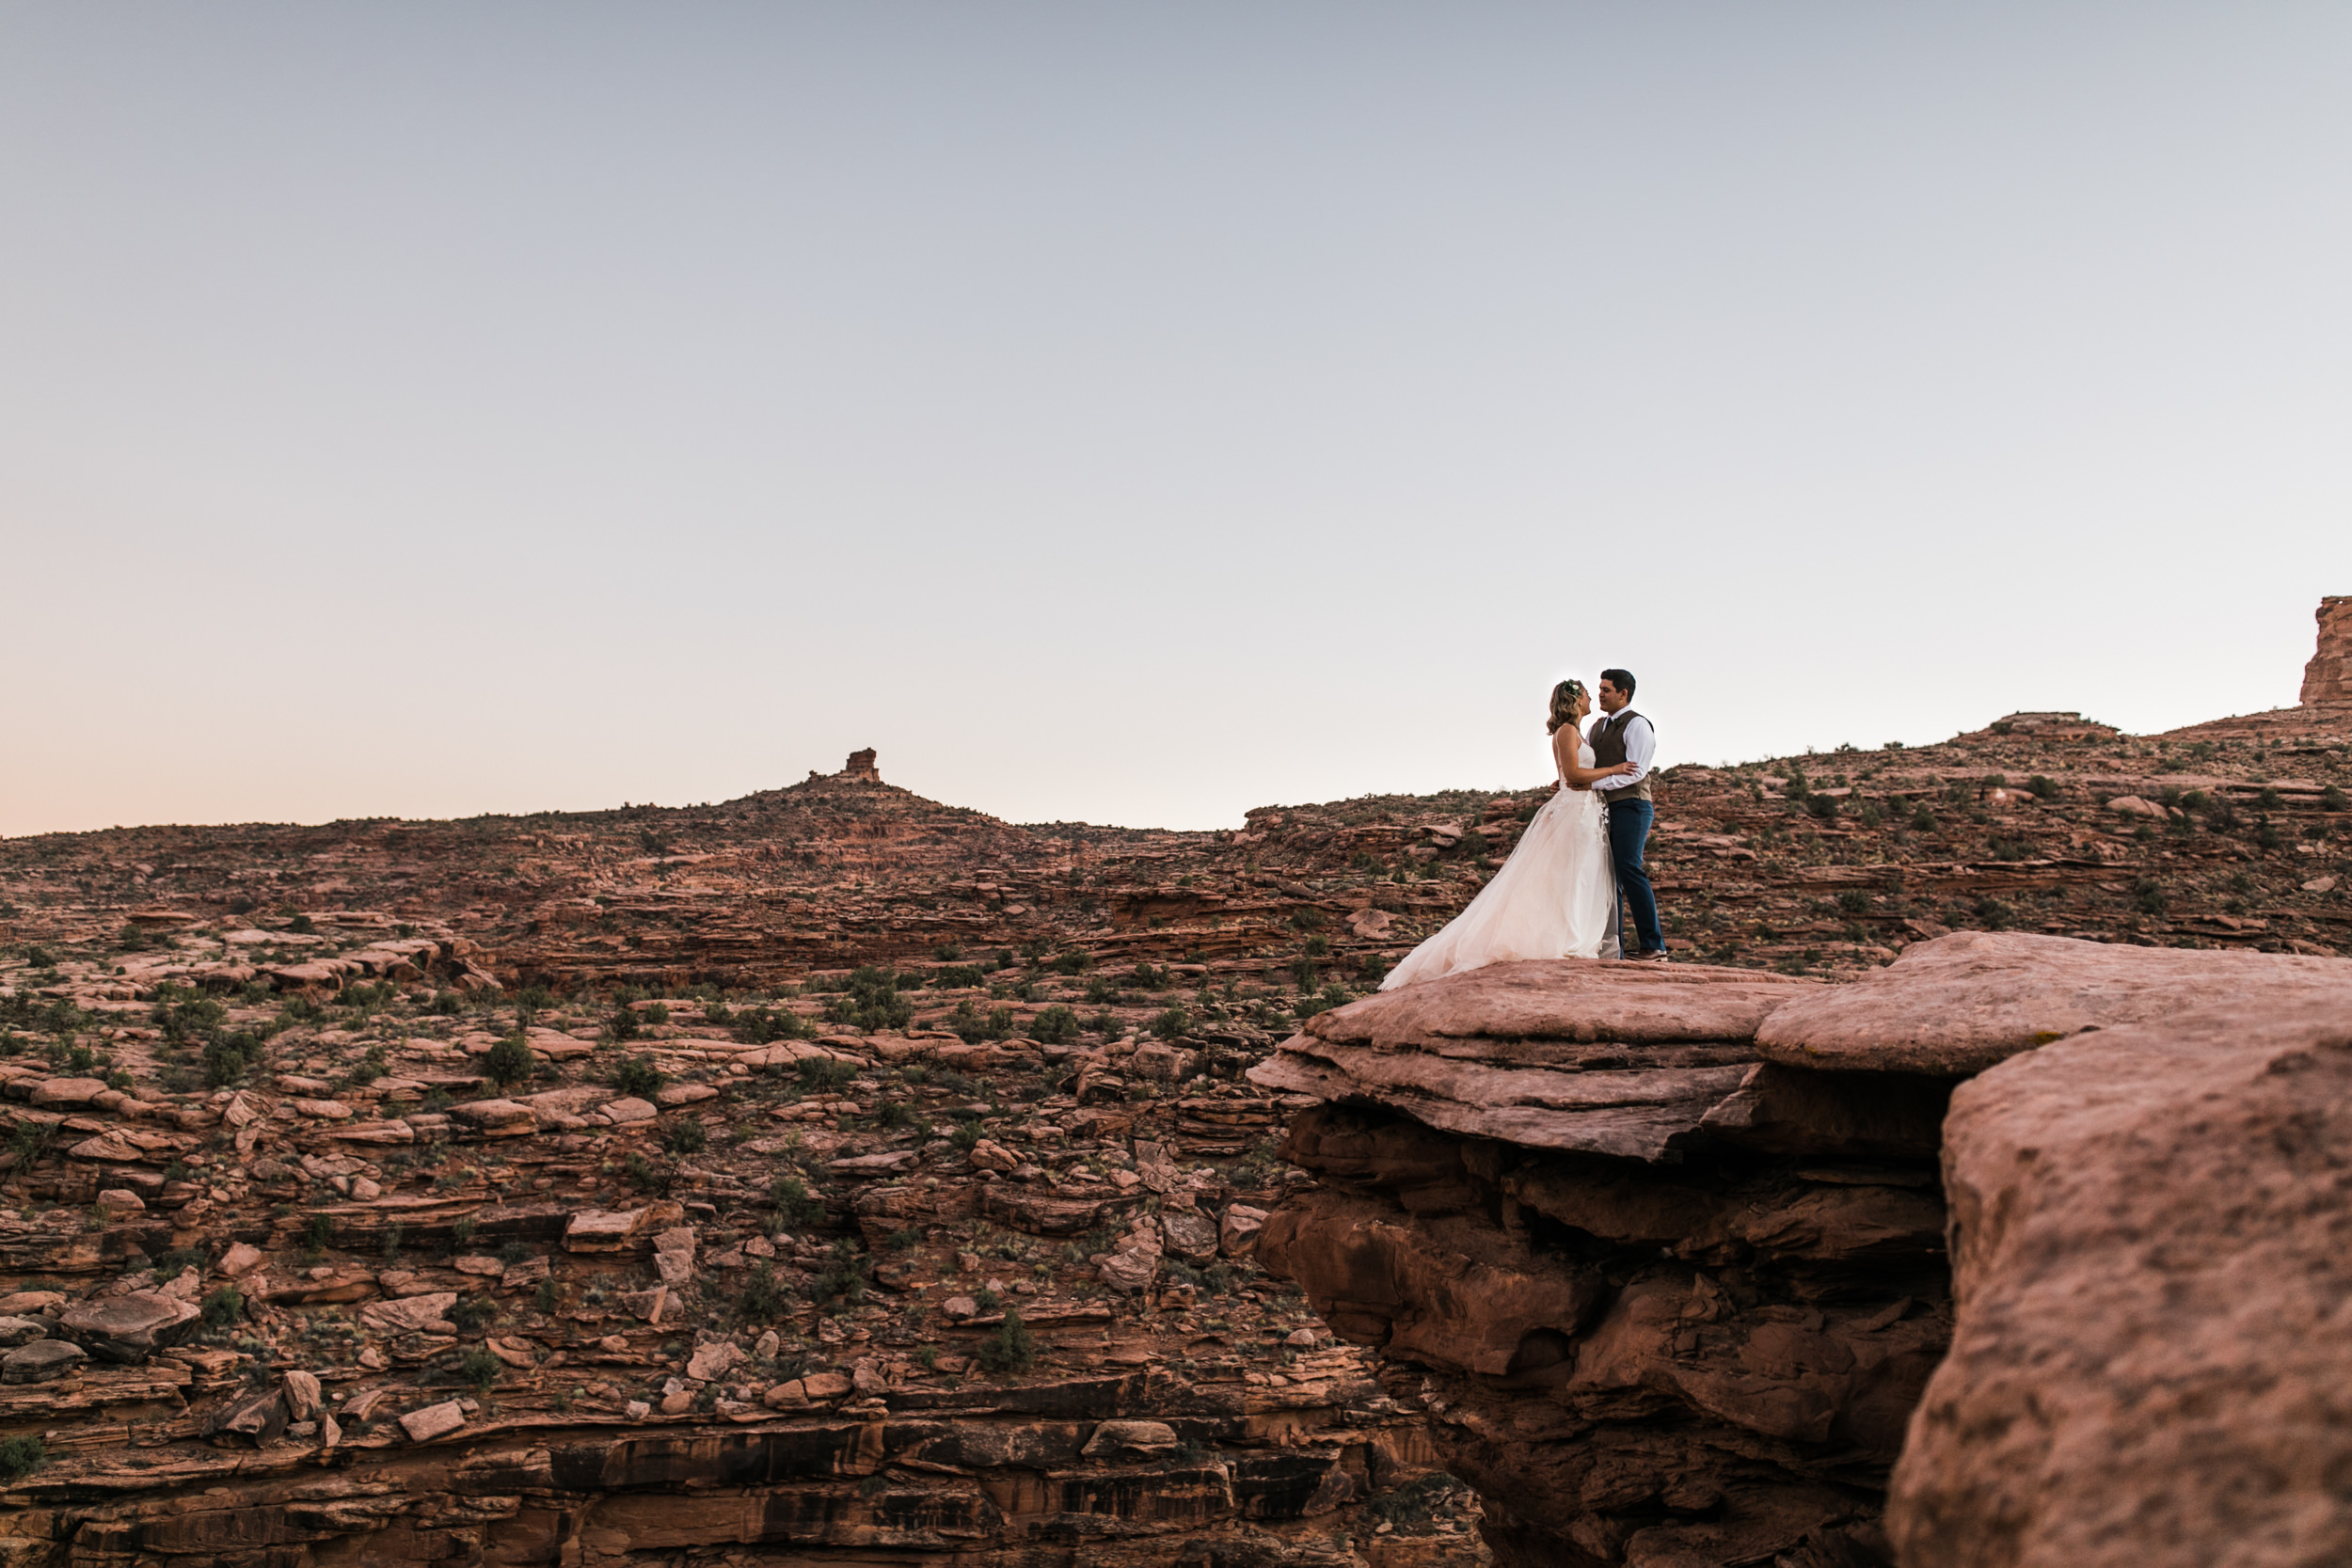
<point>2154,1256</point>
<point>1691,1326</point>
<point>1683,1316</point>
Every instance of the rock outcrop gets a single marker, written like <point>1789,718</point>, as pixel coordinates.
<point>1680,1316</point>
<point>1689,1325</point>
<point>1958,1005</point>
<point>2151,1262</point>
<point>2328,679</point>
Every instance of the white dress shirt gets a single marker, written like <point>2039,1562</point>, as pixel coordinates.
<point>1640,744</point>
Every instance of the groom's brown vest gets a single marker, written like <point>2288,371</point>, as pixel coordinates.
<point>1608,743</point>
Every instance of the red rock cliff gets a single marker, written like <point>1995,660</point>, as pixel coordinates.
<point>2328,679</point>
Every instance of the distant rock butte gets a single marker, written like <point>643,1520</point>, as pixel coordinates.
<point>2328,679</point>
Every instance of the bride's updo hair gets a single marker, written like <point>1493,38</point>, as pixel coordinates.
<point>1564,700</point>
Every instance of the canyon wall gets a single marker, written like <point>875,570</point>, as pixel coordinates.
<point>1667,1249</point>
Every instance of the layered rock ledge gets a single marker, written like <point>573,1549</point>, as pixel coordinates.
<point>1662,1252</point>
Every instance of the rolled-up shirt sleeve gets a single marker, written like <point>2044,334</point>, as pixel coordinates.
<point>1640,744</point>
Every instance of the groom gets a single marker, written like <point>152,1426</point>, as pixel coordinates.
<point>1624,736</point>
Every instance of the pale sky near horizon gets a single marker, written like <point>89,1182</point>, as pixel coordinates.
<point>1139,414</point>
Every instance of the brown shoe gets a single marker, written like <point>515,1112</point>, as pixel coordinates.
<point>1655,955</point>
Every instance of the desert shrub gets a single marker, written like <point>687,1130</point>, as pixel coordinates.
<point>1056,1026</point>
<point>637,1077</point>
<point>1171,1024</point>
<point>796,1207</point>
<point>2043,787</point>
<point>872,1002</point>
<point>480,1368</point>
<point>842,1282</point>
<point>2148,895</point>
<point>1012,1349</point>
<point>959,978</point>
<point>1995,915</point>
<point>763,1298</point>
<point>223,1306</point>
<point>228,1057</point>
<point>509,1062</point>
<point>824,1075</point>
<point>646,1177</point>
<point>1855,901</point>
<point>1823,807</point>
<point>762,1024</point>
<point>21,1456</point>
<point>471,1314</point>
<point>685,1137</point>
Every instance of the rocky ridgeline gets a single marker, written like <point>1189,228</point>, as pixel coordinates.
<point>666,1182</point>
<point>1663,1252</point>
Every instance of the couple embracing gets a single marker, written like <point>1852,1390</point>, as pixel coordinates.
<point>1579,861</point>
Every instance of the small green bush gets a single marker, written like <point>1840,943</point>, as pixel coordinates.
<point>480,1368</point>
<point>764,1298</point>
<point>21,1456</point>
<point>637,1077</point>
<point>824,1075</point>
<point>685,1137</point>
<point>224,1307</point>
<point>796,1207</point>
<point>1056,1026</point>
<point>509,1062</point>
<point>1012,1349</point>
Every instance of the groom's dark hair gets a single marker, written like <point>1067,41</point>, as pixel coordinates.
<point>1621,679</point>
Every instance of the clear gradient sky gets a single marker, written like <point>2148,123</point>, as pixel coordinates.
<point>1139,413</point>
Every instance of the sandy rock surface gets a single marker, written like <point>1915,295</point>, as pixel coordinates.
<point>2152,1347</point>
<point>1962,1003</point>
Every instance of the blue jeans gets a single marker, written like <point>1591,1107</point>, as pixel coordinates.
<point>1628,833</point>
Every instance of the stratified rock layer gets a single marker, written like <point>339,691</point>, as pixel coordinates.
<point>2328,679</point>
<point>1965,1002</point>
<point>1682,1326</point>
<point>1614,1059</point>
<point>2154,1258</point>
<point>1689,1326</point>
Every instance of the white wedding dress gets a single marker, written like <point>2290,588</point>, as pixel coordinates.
<point>1554,898</point>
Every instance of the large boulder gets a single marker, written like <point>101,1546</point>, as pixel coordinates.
<point>131,1327</point>
<point>1960,1003</point>
<point>2152,1256</point>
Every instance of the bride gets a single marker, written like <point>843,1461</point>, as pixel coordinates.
<point>1555,898</point>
